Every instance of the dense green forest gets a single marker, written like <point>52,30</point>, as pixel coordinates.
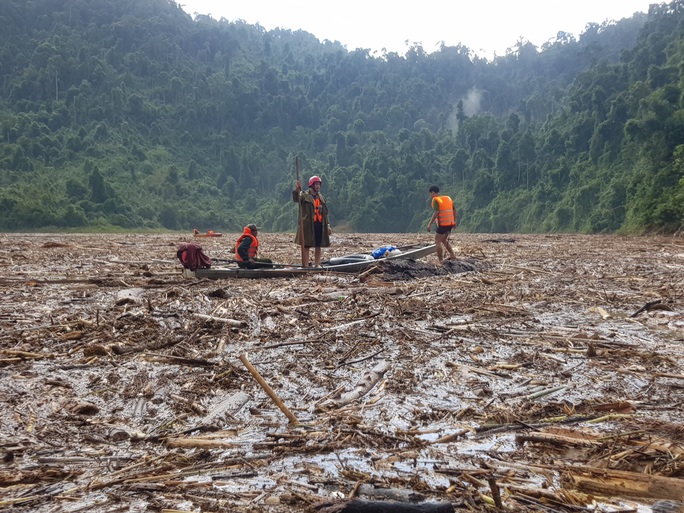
<point>133,114</point>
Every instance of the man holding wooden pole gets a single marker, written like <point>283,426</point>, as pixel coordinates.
<point>314,226</point>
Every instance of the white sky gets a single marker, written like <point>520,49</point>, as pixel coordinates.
<point>484,26</point>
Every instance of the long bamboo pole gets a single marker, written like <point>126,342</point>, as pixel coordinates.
<point>268,389</point>
<point>301,221</point>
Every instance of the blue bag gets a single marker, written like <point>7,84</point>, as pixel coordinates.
<point>382,251</point>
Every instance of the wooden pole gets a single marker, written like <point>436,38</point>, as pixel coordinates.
<point>301,221</point>
<point>268,389</point>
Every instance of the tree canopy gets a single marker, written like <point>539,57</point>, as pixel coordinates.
<point>133,114</point>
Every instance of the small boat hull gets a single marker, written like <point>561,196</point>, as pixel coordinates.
<point>354,266</point>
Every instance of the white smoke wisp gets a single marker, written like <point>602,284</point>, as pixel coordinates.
<point>472,101</point>
<point>471,106</point>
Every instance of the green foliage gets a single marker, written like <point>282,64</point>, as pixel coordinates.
<point>134,115</point>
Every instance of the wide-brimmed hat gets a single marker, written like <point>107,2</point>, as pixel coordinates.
<point>253,227</point>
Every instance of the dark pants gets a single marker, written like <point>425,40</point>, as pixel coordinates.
<point>259,263</point>
<point>318,234</point>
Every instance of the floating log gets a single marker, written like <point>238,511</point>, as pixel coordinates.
<point>365,384</point>
<point>648,306</point>
<point>178,360</point>
<point>618,482</point>
<point>230,322</point>
<point>452,436</point>
<point>228,405</point>
<point>393,494</point>
<point>553,438</point>
<point>667,507</point>
<point>359,506</point>
<point>200,442</point>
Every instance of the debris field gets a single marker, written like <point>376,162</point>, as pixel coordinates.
<point>533,373</point>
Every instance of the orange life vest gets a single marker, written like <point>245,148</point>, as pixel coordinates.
<point>318,211</point>
<point>446,216</point>
<point>253,247</point>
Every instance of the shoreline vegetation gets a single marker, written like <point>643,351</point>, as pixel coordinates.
<point>158,120</point>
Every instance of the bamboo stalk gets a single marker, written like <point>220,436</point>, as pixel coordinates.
<point>268,389</point>
<point>496,493</point>
<point>451,437</point>
<point>232,322</point>
<point>668,375</point>
<point>546,392</point>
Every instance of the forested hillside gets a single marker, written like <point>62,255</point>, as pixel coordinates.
<point>131,114</point>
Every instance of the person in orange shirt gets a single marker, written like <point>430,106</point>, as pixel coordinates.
<point>444,214</point>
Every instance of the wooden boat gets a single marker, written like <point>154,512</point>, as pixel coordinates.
<point>349,264</point>
<point>210,233</point>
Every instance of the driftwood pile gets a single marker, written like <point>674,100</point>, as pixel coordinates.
<point>535,373</point>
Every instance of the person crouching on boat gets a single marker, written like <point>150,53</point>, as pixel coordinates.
<point>247,247</point>
<point>314,220</point>
<point>444,213</point>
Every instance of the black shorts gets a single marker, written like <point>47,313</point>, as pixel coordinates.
<point>443,229</point>
<point>318,234</point>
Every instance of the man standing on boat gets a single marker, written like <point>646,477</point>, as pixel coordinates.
<point>247,247</point>
<point>314,220</point>
<point>444,213</point>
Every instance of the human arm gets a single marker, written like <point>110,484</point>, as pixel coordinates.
<point>297,193</point>
<point>435,213</point>
<point>432,220</point>
<point>326,214</point>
